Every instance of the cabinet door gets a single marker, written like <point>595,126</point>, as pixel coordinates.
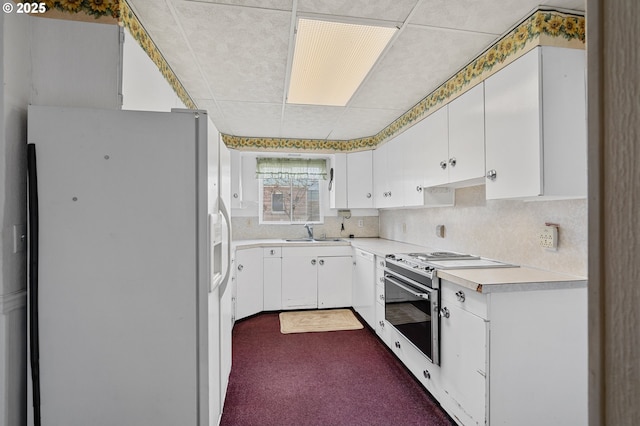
<point>414,150</point>
<point>249,287</point>
<point>395,173</point>
<point>299,282</point>
<point>466,136</point>
<point>272,283</point>
<point>436,128</point>
<point>364,286</point>
<point>360,180</point>
<point>463,355</point>
<point>513,129</point>
<point>236,179</point>
<point>380,178</point>
<point>334,281</point>
<point>339,182</point>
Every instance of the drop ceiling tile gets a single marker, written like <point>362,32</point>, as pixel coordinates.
<point>242,51</point>
<point>214,114</point>
<point>362,122</point>
<point>390,10</point>
<point>262,4</point>
<point>309,121</point>
<point>253,119</point>
<point>420,60</point>
<point>488,16</point>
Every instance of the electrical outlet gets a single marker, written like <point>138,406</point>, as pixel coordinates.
<point>548,237</point>
<point>360,223</point>
<point>404,228</point>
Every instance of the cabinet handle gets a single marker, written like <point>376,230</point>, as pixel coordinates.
<point>235,195</point>
<point>381,279</point>
<point>426,374</point>
<point>381,263</point>
<point>492,174</point>
<point>460,296</point>
<point>444,312</point>
<point>443,165</point>
<point>389,193</point>
<point>382,297</point>
<point>321,262</point>
<point>368,195</point>
<point>240,267</point>
<point>397,344</point>
<point>272,252</point>
<point>313,261</point>
<point>452,161</point>
<point>419,188</point>
<point>381,323</point>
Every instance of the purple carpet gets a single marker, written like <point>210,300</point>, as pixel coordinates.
<point>330,378</point>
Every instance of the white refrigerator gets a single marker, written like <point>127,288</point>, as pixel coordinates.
<point>128,253</point>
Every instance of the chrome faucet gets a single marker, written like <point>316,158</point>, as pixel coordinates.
<point>309,229</point>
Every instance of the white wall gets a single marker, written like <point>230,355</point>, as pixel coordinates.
<point>76,63</point>
<point>15,74</point>
<point>499,229</point>
<point>144,88</point>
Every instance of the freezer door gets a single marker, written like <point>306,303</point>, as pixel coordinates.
<point>123,275</point>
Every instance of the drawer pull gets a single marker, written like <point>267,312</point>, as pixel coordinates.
<point>460,296</point>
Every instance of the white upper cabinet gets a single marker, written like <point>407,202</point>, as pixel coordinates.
<point>465,162</point>
<point>360,180</point>
<point>413,145</point>
<point>380,179</point>
<point>536,126</point>
<point>338,181</point>
<point>353,181</point>
<point>436,130</point>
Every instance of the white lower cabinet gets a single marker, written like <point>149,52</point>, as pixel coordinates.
<point>299,282</point>
<point>272,276</point>
<point>249,284</point>
<point>316,277</point>
<point>514,358</point>
<point>334,281</point>
<point>463,351</point>
<point>364,286</point>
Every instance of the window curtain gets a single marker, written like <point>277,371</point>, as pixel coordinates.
<point>291,168</point>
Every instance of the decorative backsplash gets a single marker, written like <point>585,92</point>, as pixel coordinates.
<point>542,28</point>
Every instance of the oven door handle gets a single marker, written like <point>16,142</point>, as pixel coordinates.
<point>407,289</point>
<point>393,274</point>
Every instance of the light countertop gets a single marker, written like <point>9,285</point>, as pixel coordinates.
<point>481,280</point>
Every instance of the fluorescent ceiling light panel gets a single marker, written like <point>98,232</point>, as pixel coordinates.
<point>331,59</point>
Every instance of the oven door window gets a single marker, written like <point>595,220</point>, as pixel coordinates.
<point>409,310</point>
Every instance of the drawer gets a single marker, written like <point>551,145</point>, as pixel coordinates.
<point>464,298</point>
<point>272,251</point>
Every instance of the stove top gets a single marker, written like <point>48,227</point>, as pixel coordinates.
<point>428,262</point>
<point>437,255</point>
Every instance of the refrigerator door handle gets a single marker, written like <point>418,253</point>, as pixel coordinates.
<point>227,273</point>
<point>33,232</point>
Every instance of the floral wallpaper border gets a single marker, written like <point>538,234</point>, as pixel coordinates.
<point>542,28</point>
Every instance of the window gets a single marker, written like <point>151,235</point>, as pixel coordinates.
<point>290,190</point>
